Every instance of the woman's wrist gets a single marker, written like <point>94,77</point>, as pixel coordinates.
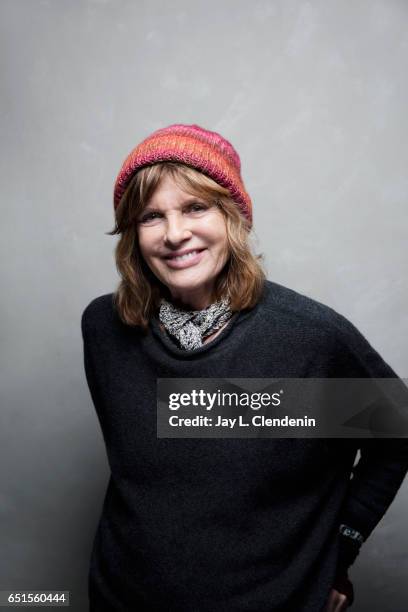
<point>343,584</point>
<point>350,542</point>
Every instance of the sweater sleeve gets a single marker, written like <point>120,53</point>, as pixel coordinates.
<point>88,359</point>
<point>383,463</point>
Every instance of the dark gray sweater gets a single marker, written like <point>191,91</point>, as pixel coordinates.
<point>229,525</point>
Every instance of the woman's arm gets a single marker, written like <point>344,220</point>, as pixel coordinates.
<point>89,349</point>
<point>383,464</point>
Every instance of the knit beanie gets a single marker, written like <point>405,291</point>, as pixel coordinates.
<point>194,146</point>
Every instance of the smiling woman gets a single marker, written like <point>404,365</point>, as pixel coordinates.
<point>184,244</point>
<point>183,241</point>
<point>218,525</point>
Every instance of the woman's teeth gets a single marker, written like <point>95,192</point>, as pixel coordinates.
<point>183,257</point>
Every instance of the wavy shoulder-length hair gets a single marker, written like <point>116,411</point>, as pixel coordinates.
<point>139,292</point>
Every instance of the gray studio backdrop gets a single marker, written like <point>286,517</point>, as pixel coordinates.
<point>314,97</point>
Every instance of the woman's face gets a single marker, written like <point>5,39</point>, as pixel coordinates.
<point>174,223</point>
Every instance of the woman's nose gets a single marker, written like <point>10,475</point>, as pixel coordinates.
<point>177,229</point>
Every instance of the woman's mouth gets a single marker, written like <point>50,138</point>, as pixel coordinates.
<point>185,261</point>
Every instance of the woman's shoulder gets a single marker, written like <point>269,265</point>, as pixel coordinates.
<point>294,311</point>
<point>291,304</point>
<point>98,312</point>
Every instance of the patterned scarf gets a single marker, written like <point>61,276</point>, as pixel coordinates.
<point>190,327</point>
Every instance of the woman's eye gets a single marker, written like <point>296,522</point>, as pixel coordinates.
<point>197,207</point>
<point>148,217</point>
<point>194,207</point>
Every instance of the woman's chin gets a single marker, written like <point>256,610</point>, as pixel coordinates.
<point>189,291</point>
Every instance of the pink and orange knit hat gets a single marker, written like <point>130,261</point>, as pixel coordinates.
<point>194,146</point>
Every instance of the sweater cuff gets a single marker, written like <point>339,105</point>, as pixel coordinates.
<point>349,550</point>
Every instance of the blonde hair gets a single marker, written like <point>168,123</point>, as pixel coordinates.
<point>139,292</point>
